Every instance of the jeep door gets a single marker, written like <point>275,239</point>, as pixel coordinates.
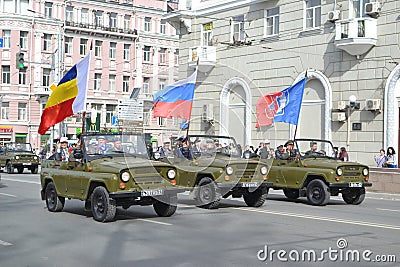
<point>276,173</point>
<point>293,173</point>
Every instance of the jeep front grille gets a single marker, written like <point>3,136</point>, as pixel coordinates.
<point>148,180</point>
<point>352,171</point>
<point>245,170</point>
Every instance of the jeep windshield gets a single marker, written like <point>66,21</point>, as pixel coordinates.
<point>208,145</point>
<point>114,145</point>
<point>19,147</point>
<point>313,148</point>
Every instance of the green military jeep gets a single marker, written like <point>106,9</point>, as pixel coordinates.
<point>211,168</point>
<point>19,156</point>
<point>110,170</point>
<point>314,171</point>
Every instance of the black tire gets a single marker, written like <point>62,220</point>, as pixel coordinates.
<point>165,207</point>
<point>103,207</point>
<point>10,168</point>
<point>20,170</point>
<point>318,193</point>
<point>206,194</point>
<point>291,193</point>
<point>354,196</point>
<point>34,170</point>
<point>256,198</point>
<point>54,202</point>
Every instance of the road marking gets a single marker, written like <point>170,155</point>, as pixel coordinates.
<point>9,195</point>
<point>20,181</point>
<point>388,210</point>
<point>4,243</point>
<point>151,221</point>
<point>319,218</point>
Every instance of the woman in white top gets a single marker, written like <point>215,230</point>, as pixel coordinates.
<point>391,159</point>
<point>380,159</point>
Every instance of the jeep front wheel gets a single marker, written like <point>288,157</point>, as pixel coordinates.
<point>256,198</point>
<point>207,196</point>
<point>103,207</point>
<point>165,207</point>
<point>34,170</point>
<point>354,196</point>
<point>291,193</point>
<point>10,168</point>
<point>20,170</point>
<point>318,193</point>
<point>54,202</point>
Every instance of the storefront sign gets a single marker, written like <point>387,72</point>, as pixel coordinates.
<point>6,129</point>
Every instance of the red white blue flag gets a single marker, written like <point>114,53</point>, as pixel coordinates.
<point>283,106</point>
<point>175,100</point>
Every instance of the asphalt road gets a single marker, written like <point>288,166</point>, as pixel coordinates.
<point>280,233</point>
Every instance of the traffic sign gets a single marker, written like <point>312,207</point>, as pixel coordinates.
<point>130,110</point>
<point>114,120</point>
<point>1,42</point>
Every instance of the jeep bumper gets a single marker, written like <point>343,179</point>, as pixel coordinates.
<point>244,185</point>
<point>146,193</point>
<point>350,185</point>
<point>25,164</point>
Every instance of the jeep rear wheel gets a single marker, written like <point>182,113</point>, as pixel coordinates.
<point>206,194</point>
<point>54,202</point>
<point>10,168</point>
<point>165,207</point>
<point>354,196</point>
<point>256,198</point>
<point>34,170</point>
<point>318,193</point>
<point>20,170</point>
<point>291,193</point>
<point>103,207</point>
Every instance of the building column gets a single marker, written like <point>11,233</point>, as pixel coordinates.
<point>139,65</point>
<point>37,58</point>
<point>156,56</point>
<point>171,63</point>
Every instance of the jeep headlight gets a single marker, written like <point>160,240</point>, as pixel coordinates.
<point>35,157</point>
<point>263,170</point>
<point>17,157</point>
<point>339,171</point>
<point>157,155</point>
<point>125,176</point>
<point>246,155</point>
<point>171,174</point>
<point>229,170</point>
<point>365,171</point>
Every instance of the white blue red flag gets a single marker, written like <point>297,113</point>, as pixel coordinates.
<point>283,106</point>
<point>175,100</point>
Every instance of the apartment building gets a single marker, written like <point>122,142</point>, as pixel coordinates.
<point>349,51</point>
<point>132,50</point>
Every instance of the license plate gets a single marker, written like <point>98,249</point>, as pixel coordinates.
<point>250,184</point>
<point>152,193</point>
<point>26,164</point>
<point>355,184</point>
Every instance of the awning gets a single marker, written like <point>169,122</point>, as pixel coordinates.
<point>21,135</point>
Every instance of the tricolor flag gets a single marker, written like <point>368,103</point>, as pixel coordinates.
<point>68,98</point>
<point>281,106</point>
<point>175,100</point>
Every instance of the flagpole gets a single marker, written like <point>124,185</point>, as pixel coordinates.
<point>188,121</point>
<point>83,124</point>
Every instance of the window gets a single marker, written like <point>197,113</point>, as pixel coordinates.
<point>22,111</point>
<point>146,53</point>
<point>97,48</point>
<point>110,112</point>
<point>127,22</point>
<point>176,57</point>
<point>22,76</point>
<point>127,48</point>
<point>6,74</point>
<point>46,77</point>
<point>238,28</point>
<point>111,83</point>
<point>162,27</point>
<point>359,8</point>
<point>5,110</point>
<point>83,47</point>
<point>97,82</point>
<point>99,18</point>
<point>113,50</point>
<point>125,84</point>
<point>46,42</point>
<point>162,84</point>
<point>207,34</point>
<point>48,6</point>
<point>69,13</point>
<point>147,24</point>
<point>23,40</point>
<point>146,117</point>
<point>113,20</point>
<point>146,86</point>
<point>313,13</point>
<point>84,16</point>
<point>68,45</point>
<point>6,38</point>
<point>163,56</point>
<point>272,21</point>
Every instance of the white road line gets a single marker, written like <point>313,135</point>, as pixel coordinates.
<point>151,221</point>
<point>4,243</point>
<point>20,181</point>
<point>9,195</point>
<point>388,210</point>
<point>319,218</point>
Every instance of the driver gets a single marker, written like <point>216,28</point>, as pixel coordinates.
<point>313,149</point>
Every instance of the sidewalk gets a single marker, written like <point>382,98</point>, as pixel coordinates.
<point>382,196</point>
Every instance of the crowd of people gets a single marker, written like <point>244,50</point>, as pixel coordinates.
<point>386,159</point>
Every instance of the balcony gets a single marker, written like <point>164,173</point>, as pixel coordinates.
<point>101,30</point>
<point>356,36</point>
<point>205,55</point>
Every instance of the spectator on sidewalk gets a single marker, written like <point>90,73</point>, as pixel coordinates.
<point>391,158</point>
<point>343,155</point>
<point>380,159</point>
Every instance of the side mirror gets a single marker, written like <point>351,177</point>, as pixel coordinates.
<point>78,153</point>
